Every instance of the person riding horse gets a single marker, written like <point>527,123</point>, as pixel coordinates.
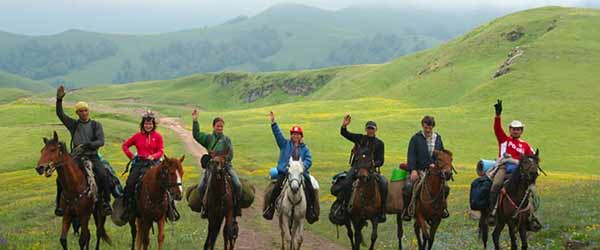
<point>366,144</point>
<point>216,143</point>
<point>87,137</point>
<point>509,147</point>
<point>149,147</point>
<point>419,158</point>
<point>296,149</point>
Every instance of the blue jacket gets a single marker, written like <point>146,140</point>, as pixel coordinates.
<point>286,148</point>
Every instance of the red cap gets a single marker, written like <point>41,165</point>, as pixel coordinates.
<point>296,129</point>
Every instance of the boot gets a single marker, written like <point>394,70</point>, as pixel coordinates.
<point>491,220</point>
<point>381,218</point>
<point>58,211</point>
<point>237,210</point>
<point>533,224</point>
<point>445,213</point>
<point>270,210</point>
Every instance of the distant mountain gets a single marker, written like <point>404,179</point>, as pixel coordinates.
<point>284,37</point>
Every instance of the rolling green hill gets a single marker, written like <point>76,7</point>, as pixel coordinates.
<point>284,37</point>
<point>550,84</point>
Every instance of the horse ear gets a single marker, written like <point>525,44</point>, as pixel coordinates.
<point>537,152</point>
<point>45,140</point>
<point>165,156</point>
<point>182,158</point>
<point>55,136</point>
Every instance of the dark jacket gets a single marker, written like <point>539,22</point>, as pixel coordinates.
<point>364,141</point>
<point>89,132</point>
<point>418,154</point>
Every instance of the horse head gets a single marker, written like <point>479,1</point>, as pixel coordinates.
<point>51,156</point>
<point>443,163</point>
<point>171,174</point>
<point>295,174</point>
<point>529,166</point>
<point>217,164</point>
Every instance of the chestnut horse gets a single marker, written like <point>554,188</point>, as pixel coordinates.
<point>514,205</point>
<point>432,199</point>
<point>159,185</point>
<point>365,205</point>
<point>77,199</point>
<point>219,204</point>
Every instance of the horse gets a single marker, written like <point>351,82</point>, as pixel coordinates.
<point>159,185</point>
<point>292,207</point>
<point>431,200</point>
<point>77,199</point>
<point>514,206</point>
<point>219,204</point>
<point>365,205</point>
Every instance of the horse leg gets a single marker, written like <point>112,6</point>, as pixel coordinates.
<point>496,234</point>
<point>418,235</point>
<point>138,238</point>
<point>84,239</point>
<point>133,233</point>
<point>512,230</point>
<point>350,234</point>
<point>284,226</point>
<point>66,224</point>
<point>483,228</point>
<point>373,234</point>
<point>161,231</point>
<point>358,239</point>
<point>97,223</point>
<point>228,231</point>
<point>523,235</point>
<point>400,231</point>
<point>297,231</point>
<point>101,230</point>
<point>145,233</point>
<point>215,234</point>
<point>432,230</point>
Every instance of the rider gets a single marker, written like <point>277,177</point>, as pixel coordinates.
<point>297,150</point>
<point>149,150</point>
<point>216,142</point>
<point>508,147</point>
<point>87,137</point>
<point>419,158</point>
<point>367,143</point>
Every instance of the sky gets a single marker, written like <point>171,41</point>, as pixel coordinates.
<point>40,17</point>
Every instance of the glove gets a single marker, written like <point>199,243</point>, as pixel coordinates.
<point>498,107</point>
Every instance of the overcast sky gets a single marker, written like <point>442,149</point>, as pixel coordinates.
<point>36,17</point>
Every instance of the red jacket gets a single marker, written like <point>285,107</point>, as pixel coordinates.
<point>507,144</point>
<point>145,145</point>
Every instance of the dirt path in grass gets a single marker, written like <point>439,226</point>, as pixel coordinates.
<point>255,232</point>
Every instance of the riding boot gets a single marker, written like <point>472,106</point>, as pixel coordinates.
<point>309,191</point>
<point>58,211</point>
<point>237,210</point>
<point>270,209</point>
<point>533,223</point>
<point>491,220</point>
<point>445,213</point>
<point>383,190</point>
<point>407,197</point>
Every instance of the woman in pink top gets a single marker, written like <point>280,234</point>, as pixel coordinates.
<point>149,150</point>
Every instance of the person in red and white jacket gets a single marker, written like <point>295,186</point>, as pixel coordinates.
<point>511,148</point>
<point>149,150</point>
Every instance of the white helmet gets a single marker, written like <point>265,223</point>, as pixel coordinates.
<point>516,124</point>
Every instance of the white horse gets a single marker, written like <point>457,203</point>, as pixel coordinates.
<point>291,207</point>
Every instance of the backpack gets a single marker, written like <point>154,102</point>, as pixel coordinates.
<point>338,214</point>
<point>480,193</point>
<point>337,184</point>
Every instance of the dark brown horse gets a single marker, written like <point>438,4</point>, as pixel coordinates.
<point>219,204</point>
<point>77,199</point>
<point>514,206</point>
<point>365,206</point>
<point>432,199</point>
<point>159,185</point>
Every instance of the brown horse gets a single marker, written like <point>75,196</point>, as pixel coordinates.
<point>365,205</point>
<point>76,200</point>
<point>219,204</point>
<point>159,185</point>
<point>432,199</point>
<point>514,206</point>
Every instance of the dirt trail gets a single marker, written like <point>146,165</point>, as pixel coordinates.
<point>255,232</point>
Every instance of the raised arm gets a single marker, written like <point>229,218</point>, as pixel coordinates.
<point>69,122</point>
